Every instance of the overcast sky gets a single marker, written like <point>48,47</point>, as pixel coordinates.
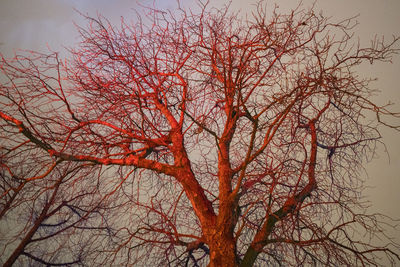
<point>34,24</point>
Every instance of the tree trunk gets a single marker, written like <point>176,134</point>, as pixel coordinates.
<point>222,251</point>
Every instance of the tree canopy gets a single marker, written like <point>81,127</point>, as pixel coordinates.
<point>194,138</point>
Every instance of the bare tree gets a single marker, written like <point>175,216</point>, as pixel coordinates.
<point>194,138</point>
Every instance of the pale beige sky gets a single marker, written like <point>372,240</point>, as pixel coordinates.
<point>32,25</point>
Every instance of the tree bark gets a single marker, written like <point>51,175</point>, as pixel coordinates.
<point>222,251</point>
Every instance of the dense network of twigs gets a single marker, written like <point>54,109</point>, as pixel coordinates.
<point>193,138</point>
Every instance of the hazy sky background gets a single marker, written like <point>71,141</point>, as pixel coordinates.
<point>34,24</point>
